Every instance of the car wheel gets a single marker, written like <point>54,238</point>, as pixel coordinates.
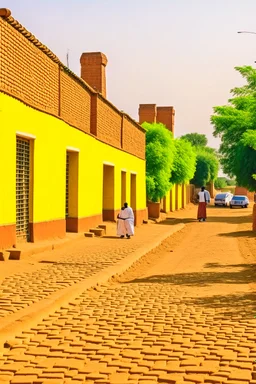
<point>246,206</point>
<point>215,205</point>
<point>231,206</point>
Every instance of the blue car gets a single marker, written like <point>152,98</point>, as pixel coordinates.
<point>239,201</point>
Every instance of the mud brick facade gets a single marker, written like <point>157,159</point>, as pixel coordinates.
<point>150,113</point>
<point>31,73</point>
<point>69,157</point>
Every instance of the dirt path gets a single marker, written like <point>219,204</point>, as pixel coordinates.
<point>184,313</point>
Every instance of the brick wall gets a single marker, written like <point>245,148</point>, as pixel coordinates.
<point>147,113</point>
<point>165,115</point>
<point>30,72</point>
<point>26,72</point>
<point>133,139</point>
<point>245,192</point>
<point>109,123</point>
<point>75,103</point>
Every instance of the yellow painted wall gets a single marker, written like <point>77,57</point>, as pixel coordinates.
<point>53,136</point>
<point>167,202</point>
<point>179,196</point>
<point>173,198</point>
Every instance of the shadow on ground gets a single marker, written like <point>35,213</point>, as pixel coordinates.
<point>242,305</point>
<point>239,234</point>
<point>245,275</point>
<point>210,219</point>
<point>238,304</point>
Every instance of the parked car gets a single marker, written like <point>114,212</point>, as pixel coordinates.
<point>223,198</point>
<point>239,201</point>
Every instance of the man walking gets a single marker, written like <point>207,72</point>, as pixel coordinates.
<point>203,198</point>
<point>125,222</point>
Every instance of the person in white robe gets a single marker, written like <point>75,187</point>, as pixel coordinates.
<point>121,230</point>
<point>125,222</point>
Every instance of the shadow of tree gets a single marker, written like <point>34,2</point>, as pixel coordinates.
<point>239,234</point>
<point>210,219</point>
<point>246,275</point>
<point>240,304</point>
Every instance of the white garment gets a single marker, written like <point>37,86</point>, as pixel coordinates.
<point>121,230</point>
<point>125,223</point>
<point>204,197</point>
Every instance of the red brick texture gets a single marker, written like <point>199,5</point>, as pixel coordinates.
<point>150,113</point>
<point>133,139</point>
<point>147,113</point>
<point>93,70</point>
<point>245,192</point>
<point>30,72</point>
<point>165,115</point>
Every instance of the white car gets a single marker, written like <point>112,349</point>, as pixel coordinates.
<point>239,201</point>
<point>223,199</point>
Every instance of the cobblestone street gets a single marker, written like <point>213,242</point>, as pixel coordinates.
<point>182,313</point>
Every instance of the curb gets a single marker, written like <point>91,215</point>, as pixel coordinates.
<point>31,316</point>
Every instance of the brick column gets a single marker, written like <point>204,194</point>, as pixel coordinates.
<point>93,71</point>
<point>165,115</point>
<point>147,113</point>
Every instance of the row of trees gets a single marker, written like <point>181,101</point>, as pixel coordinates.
<point>235,124</point>
<point>172,161</point>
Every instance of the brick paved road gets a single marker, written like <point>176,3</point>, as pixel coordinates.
<point>182,314</point>
<point>71,265</point>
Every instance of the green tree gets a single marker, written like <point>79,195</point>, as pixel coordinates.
<point>220,183</point>
<point>207,166</point>
<point>235,124</point>
<point>160,152</point>
<point>184,165</point>
<point>196,139</point>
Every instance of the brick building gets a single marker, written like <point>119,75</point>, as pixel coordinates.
<point>69,158</point>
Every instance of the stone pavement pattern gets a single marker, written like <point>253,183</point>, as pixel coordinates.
<point>183,314</point>
<point>71,265</point>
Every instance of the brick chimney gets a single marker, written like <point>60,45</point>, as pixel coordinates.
<point>147,112</point>
<point>165,115</point>
<point>93,70</point>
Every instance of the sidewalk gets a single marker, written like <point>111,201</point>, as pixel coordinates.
<point>38,284</point>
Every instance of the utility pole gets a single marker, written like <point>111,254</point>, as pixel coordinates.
<point>68,58</point>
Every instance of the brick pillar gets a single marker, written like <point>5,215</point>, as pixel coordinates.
<point>165,115</point>
<point>147,113</point>
<point>254,218</point>
<point>93,70</point>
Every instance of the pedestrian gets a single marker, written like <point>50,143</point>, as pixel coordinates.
<point>125,225</point>
<point>203,198</point>
<point>121,231</point>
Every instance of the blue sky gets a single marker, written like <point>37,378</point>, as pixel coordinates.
<point>168,52</point>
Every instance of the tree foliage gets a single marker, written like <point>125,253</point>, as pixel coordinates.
<point>196,139</point>
<point>220,183</point>
<point>207,167</point>
<point>207,164</point>
<point>160,152</point>
<point>184,165</point>
<point>235,124</point>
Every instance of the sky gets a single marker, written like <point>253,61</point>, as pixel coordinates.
<point>179,53</point>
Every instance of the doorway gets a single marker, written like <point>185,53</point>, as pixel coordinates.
<point>123,188</point>
<point>108,203</point>
<point>71,206</point>
<point>134,194</point>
